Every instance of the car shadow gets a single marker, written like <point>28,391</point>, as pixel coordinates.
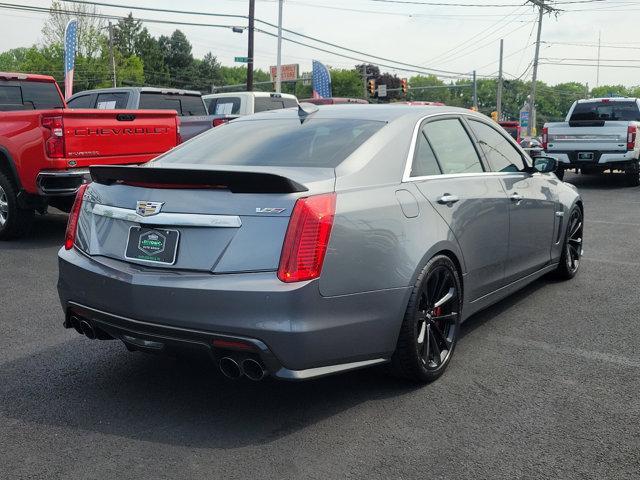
<point>100,387</point>
<point>47,231</point>
<point>606,181</point>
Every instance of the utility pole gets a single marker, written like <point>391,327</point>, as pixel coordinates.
<point>113,58</point>
<point>364,81</point>
<point>475,91</point>
<point>499,99</point>
<point>598,71</point>
<point>279,61</point>
<point>534,76</point>
<point>252,11</point>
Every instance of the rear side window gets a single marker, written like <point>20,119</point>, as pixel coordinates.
<point>500,153</point>
<point>271,142</point>
<point>10,95</point>
<point>224,106</point>
<point>29,96</point>
<point>192,105</point>
<point>158,101</point>
<point>607,110</point>
<point>112,100</point>
<point>453,147</point>
<point>83,101</point>
<point>262,104</point>
<point>424,162</point>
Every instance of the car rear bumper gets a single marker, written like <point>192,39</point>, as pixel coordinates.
<point>599,157</point>
<point>297,333</point>
<point>53,183</point>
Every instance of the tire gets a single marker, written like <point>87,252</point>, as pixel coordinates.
<point>15,222</point>
<point>429,331</point>
<point>572,246</point>
<point>632,174</point>
<point>560,172</point>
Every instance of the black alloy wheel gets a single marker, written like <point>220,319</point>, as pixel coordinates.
<point>432,323</point>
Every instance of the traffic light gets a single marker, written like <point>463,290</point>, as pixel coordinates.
<point>372,87</point>
<point>403,84</point>
<point>494,116</point>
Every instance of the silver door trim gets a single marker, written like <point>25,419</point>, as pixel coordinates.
<point>406,176</point>
<point>168,218</point>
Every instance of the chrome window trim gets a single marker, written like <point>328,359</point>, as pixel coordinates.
<point>406,176</point>
<point>168,218</point>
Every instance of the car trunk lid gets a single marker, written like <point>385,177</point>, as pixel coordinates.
<point>225,220</point>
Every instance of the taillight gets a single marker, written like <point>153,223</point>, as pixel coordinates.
<point>220,121</point>
<point>54,144</point>
<point>545,138</point>
<point>178,135</point>
<point>72,224</point>
<point>307,238</point>
<point>632,131</point>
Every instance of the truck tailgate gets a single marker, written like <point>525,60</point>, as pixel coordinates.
<point>610,136</point>
<point>93,134</point>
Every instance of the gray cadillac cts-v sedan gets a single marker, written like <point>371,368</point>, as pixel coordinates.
<point>301,243</point>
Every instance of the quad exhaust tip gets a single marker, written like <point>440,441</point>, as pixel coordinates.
<point>253,370</point>
<point>230,368</point>
<point>87,329</point>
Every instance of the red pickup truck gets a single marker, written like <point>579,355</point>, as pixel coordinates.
<point>46,148</point>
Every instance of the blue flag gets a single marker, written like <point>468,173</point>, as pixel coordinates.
<point>321,81</point>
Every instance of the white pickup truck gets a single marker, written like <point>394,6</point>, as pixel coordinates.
<point>598,134</point>
<point>247,103</point>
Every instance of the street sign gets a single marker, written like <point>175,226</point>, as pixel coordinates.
<point>241,59</point>
<point>288,73</point>
<point>382,90</point>
<point>524,118</point>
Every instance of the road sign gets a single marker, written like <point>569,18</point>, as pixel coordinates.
<point>382,90</point>
<point>241,59</point>
<point>288,72</point>
<point>524,118</point>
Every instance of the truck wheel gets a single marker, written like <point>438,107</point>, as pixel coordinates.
<point>560,172</point>
<point>14,221</point>
<point>632,172</point>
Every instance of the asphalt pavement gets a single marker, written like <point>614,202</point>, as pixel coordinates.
<point>543,385</point>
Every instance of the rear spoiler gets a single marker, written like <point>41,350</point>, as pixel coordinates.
<point>237,182</point>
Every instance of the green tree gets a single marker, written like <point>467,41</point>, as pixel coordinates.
<point>91,28</point>
<point>346,83</point>
<point>127,35</point>
<point>427,88</point>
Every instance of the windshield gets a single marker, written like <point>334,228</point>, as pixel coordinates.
<point>312,143</point>
<point>605,110</point>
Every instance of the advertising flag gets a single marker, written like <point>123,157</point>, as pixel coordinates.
<point>70,46</point>
<point>321,81</point>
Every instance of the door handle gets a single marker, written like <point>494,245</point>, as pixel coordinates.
<point>515,197</point>
<point>448,198</point>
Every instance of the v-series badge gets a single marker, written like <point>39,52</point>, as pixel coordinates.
<point>270,210</point>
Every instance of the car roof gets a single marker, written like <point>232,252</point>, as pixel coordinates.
<point>255,94</point>
<point>354,111</point>
<point>607,99</point>
<point>26,76</point>
<point>176,91</point>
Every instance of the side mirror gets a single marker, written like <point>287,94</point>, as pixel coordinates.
<point>545,164</point>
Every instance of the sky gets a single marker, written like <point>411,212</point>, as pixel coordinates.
<point>457,39</point>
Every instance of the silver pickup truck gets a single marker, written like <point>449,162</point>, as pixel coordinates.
<point>191,109</point>
<point>599,134</point>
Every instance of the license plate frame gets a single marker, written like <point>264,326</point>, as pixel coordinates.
<point>161,245</point>
<point>585,156</point>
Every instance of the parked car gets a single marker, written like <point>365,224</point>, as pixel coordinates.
<point>334,101</point>
<point>45,148</point>
<point>189,105</point>
<point>598,134</point>
<point>317,241</point>
<point>247,103</point>
<point>532,146</point>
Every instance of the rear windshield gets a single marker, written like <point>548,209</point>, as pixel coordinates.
<point>224,106</point>
<point>262,104</point>
<point>589,111</point>
<point>313,143</point>
<point>185,105</point>
<point>17,95</point>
